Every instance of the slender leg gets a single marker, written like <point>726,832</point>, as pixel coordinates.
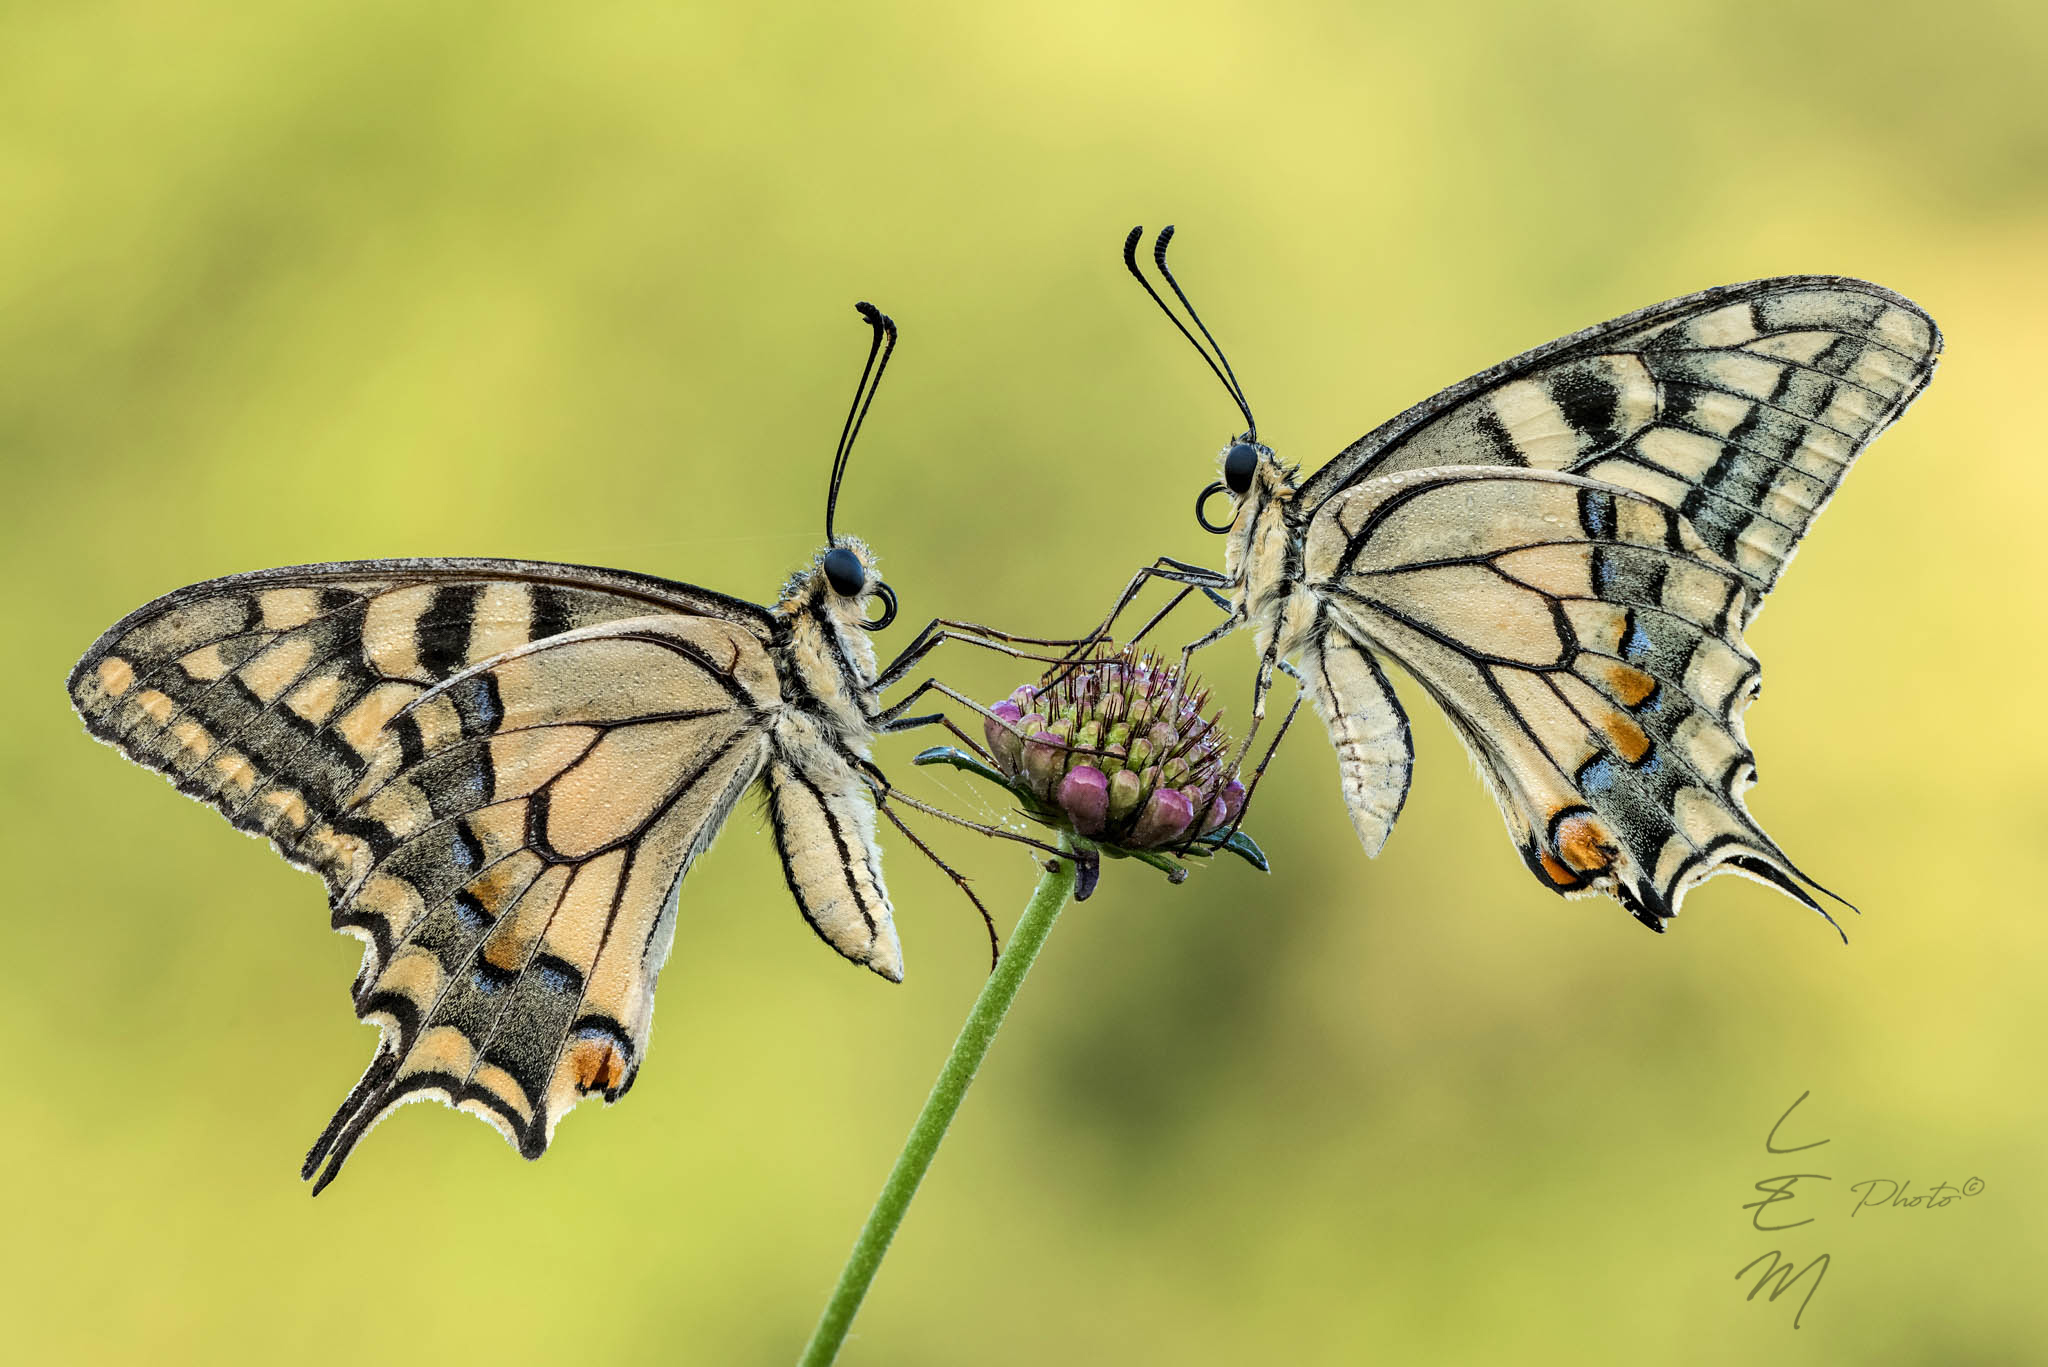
<point>995,944</point>
<point>972,744</point>
<point>901,665</point>
<point>1142,632</point>
<point>936,718</point>
<point>1156,618</point>
<point>892,719</point>
<point>1188,651</point>
<point>990,633</point>
<point>885,789</point>
<point>940,719</point>
<point>940,630</point>
<point>1173,571</point>
<point>1168,609</point>
<point>1264,760</point>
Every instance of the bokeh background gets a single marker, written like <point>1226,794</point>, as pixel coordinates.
<point>318,281</point>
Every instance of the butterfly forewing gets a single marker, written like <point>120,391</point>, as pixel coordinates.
<point>1586,644</point>
<point>1741,407</point>
<point>263,694</point>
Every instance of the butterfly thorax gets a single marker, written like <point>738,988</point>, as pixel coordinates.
<point>825,658</point>
<point>1262,558</point>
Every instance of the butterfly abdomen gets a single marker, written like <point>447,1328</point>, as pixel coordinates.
<point>1375,756</point>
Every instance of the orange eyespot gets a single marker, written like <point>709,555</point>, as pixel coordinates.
<point>1556,872</point>
<point>596,1066</point>
<point>1584,845</point>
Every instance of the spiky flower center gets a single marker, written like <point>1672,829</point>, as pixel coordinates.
<point>1120,750</point>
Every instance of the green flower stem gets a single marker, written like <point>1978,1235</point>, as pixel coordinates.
<point>1047,901</point>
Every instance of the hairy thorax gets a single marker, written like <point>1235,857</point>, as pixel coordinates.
<point>832,666</point>
<point>1269,594</point>
<point>827,664</point>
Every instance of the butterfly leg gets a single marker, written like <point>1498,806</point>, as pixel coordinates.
<point>879,781</point>
<point>1264,685</point>
<point>1187,653</point>
<point>1142,632</point>
<point>891,719</point>
<point>1166,568</point>
<point>940,630</point>
<point>925,719</point>
<point>995,944</point>
<point>1173,572</point>
<point>1253,787</point>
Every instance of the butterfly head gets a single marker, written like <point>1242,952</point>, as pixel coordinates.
<point>1252,476</point>
<point>824,616</point>
<point>839,582</point>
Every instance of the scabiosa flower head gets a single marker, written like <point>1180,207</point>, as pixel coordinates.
<point>1118,750</point>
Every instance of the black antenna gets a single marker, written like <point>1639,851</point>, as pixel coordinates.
<point>1223,373</point>
<point>1236,389</point>
<point>884,342</point>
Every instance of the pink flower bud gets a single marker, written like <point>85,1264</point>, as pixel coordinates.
<point>1084,797</point>
<point>1045,759</point>
<point>1164,820</point>
<point>1003,740</point>
<point>1233,798</point>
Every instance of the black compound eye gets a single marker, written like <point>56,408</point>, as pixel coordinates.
<point>844,572</point>
<point>1238,466</point>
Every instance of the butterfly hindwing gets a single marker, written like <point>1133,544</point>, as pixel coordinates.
<point>518,901</point>
<point>1742,407</point>
<point>1586,643</point>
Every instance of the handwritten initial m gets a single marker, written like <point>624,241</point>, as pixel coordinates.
<point>1786,1279</point>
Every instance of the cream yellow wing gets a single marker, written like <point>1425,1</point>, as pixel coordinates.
<point>1741,407</point>
<point>1586,644</point>
<point>524,860</point>
<point>502,771</point>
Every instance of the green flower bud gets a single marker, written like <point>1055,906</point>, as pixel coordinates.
<point>1126,792</point>
<point>1088,738</point>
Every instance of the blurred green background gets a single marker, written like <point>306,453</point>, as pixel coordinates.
<point>308,282</point>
